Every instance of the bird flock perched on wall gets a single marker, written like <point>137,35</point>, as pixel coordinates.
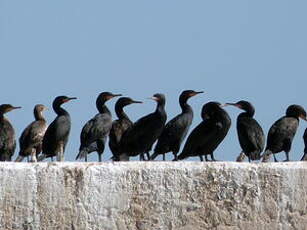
<point>127,139</point>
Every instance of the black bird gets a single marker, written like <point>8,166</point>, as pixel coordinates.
<point>95,132</point>
<point>176,129</point>
<point>206,137</point>
<point>31,139</point>
<point>250,133</point>
<point>139,138</point>
<point>305,142</point>
<point>282,132</point>
<point>57,133</point>
<point>7,134</point>
<point>120,125</point>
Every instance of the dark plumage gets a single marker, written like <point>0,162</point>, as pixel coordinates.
<point>304,158</point>
<point>95,132</point>
<point>139,138</point>
<point>250,133</point>
<point>206,137</point>
<point>176,129</point>
<point>120,125</point>
<point>30,141</point>
<point>7,134</point>
<point>282,132</point>
<point>57,133</point>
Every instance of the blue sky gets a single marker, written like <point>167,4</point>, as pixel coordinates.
<point>232,50</point>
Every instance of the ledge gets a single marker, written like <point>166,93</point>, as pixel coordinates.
<point>153,195</point>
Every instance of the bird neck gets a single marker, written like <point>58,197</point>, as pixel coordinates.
<point>185,107</point>
<point>245,114</point>
<point>1,116</point>
<point>160,107</point>
<point>120,113</point>
<point>38,115</point>
<point>104,109</point>
<point>59,110</point>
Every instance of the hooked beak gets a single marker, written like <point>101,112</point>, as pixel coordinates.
<point>303,117</point>
<point>195,93</point>
<point>137,102</point>
<point>117,95</point>
<point>233,104</point>
<point>154,98</point>
<point>69,99</point>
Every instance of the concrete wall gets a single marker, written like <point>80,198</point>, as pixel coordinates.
<point>153,195</point>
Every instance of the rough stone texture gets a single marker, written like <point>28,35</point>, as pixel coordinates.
<point>153,195</point>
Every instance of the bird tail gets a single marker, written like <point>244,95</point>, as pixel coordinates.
<point>266,155</point>
<point>82,153</point>
<point>304,158</point>
<point>19,159</point>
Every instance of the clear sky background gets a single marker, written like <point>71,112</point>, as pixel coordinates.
<point>232,50</point>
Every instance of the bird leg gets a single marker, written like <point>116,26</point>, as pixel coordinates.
<point>201,158</point>
<point>241,157</point>
<point>99,157</point>
<point>60,153</point>
<point>287,156</point>
<point>85,158</point>
<point>275,159</point>
<point>163,156</point>
<point>52,159</point>
<point>148,156</point>
<point>212,157</point>
<point>33,155</point>
<point>206,157</point>
<point>142,157</point>
<point>28,160</point>
<point>175,155</point>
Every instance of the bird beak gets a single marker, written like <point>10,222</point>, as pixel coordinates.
<point>226,104</point>
<point>70,98</point>
<point>195,93</point>
<point>303,117</point>
<point>154,98</point>
<point>138,102</point>
<point>233,104</point>
<point>17,107</point>
<point>117,95</point>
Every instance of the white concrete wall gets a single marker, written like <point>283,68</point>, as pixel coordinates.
<point>153,195</point>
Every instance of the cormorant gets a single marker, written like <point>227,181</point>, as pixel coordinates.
<point>250,133</point>
<point>206,137</point>
<point>176,129</point>
<point>95,132</point>
<point>57,133</point>
<point>7,134</point>
<point>120,125</point>
<point>139,138</point>
<point>282,132</point>
<point>30,141</point>
<point>304,158</point>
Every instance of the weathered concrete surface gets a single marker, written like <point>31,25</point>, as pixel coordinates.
<point>153,195</point>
